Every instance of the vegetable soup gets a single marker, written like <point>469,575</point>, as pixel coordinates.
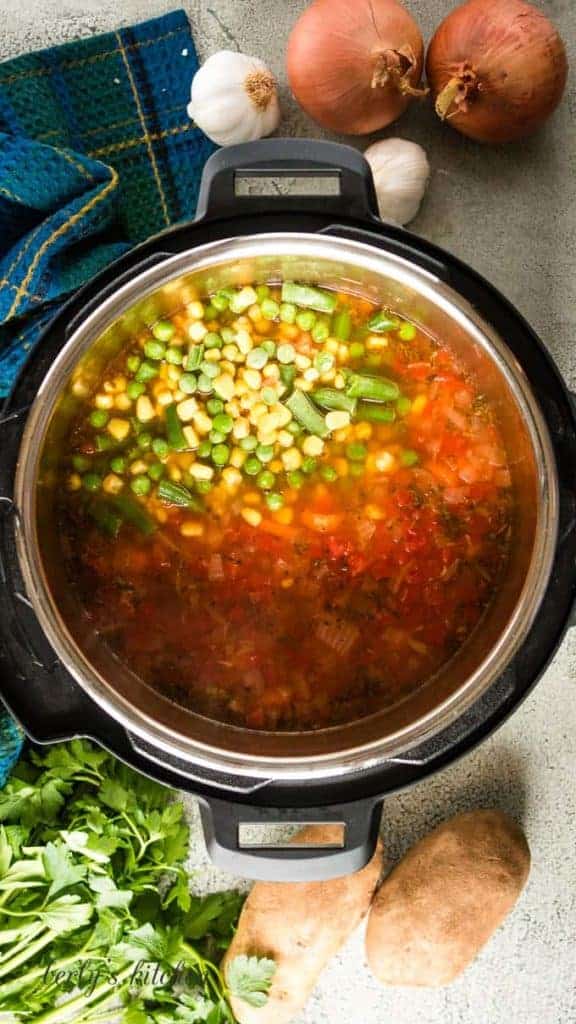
<point>284,507</point>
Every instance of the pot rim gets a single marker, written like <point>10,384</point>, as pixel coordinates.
<point>137,721</point>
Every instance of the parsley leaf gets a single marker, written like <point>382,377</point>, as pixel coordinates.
<point>249,978</point>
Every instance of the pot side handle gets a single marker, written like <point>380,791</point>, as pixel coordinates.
<point>345,172</point>
<point>223,821</point>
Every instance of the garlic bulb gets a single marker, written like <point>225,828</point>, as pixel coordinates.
<point>234,98</point>
<point>400,170</point>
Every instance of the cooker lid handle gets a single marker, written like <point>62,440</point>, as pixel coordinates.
<point>224,823</point>
<point>348,187</point>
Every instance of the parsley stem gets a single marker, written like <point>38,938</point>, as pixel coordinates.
<point>31,950</point>
<point>10,987</point>
<point>63,1010</point>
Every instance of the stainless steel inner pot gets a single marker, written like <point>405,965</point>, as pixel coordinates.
<point>387,279</point>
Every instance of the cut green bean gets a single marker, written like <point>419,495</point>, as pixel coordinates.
<point>194,358</point>
<point>174,431</point>
<point>312,298</point>
<point>409,457</point>
<point>288,375</point>
<point>342,324</point>
<point>382,322</point>
<point>106,518</point>
<point>306,413</point>
<point>403,405</point>
<point>370,412</point>
<point>331,398</point>
<point>177,494</point>
<point>373,389</point>
<point>135,513</point>
<point>356,452</point>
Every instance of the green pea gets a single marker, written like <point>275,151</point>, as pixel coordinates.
<point>294,428</point>
<point>269,347</point>
<point>205,385</point>
<point>295,478</point>
<point>324,362</point>
<point>252,466</point>
<point>356,350</point>
<point>145,440</point>
<point>306,319</point>
<point>287,375</point>
<point>213,405</point>
<point>209,370</point>
<point>141,485</point>
<point>269,396</point>
<point>220,454</point>
<point>204,450</point>
<point>161,448</point>
<point>356,452</point>
<point>257,358</point>
<point>216,437</point>
<point>265,452</point>
<point>403,405</point>
<point>328,473</point>
<point>288,312</point>
<point>262,292</point>
<point>223,423</point>
<point>274,501</point>
<point>146,372</point>
<point>154,350</point>
<point>164,330</point>
<point>174,356</point>
<point>92,482</point>
<point>188,383</point>
<point>270,309</point>
<point>285,353</point>
<point>134,390</point>
<point>309,464</point>
<point>98,418</point>
<point>80,463</point>
<point>118,465</point>
<point>407,332</point>
<point>409,457</point>
<point>213,340</point>
<point>132,363</point>
<point>203,486</point>
<point>104,443</point>
<point>320,331</point>
<point>356,468</point>
<point>156,471</point>
<point>210,312</point>
<point>221,300</point>
<point>266,480</point>
<point>249,443</point>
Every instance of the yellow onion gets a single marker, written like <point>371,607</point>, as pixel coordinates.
<point>354,65</point>
<point>497,69</point>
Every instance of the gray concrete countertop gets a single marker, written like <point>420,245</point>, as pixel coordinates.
<point>511,213</point>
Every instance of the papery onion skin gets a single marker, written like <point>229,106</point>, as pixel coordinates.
<point>354,65</point>
<point>497,69</point>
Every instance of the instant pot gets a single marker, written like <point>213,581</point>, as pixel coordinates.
<point>60,680</point>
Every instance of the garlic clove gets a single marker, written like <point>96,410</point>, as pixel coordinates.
<point>401,171</point>
<point>234,98</point>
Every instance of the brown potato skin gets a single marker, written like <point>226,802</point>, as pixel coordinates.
<point>444,900</point>
<point>301,926</point>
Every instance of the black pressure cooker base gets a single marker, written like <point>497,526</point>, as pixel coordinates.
<point>51,705</point>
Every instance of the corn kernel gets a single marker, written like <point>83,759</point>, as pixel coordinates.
<point>287,582</point>
<point>374,512</point>
<point>109,387</point>
<point>232,477</point>
<point>80,389</point>
<point>311,373</point>
<point>120,383</point>
<point>313,446</point>
<point>191,436</point>
<point>122,402</point>
<point>191,529</point>
<point>175,473</point>
<point>241,428</point>
<point>244,342</point>
<point>202,422</point>
<point>201,472</point>
<point>242,323</point>
<point>272,372</point>
<point>165,398</point>
<point>213,355</point>
<point>419,404</point>
<point>285,438</point>
<point>384,462</point>
<point>259,409</point>
<point>374,342</point>
<point>341,466</point>
<point>112,484</point>
<point>253,378</point>
<point>197,331</point>
<point>195,310</point>
<point>302,362</point>
<point>247,401</point>
<point>363,431</point>
<point>74,482</point>
<point>289,331</point>
<point>337,419</point>
<point>161,515</point>
<point>173,373</point>
<point>224,386</point>
<point>231,353</point>
<point>138,467</point>
<point>118,429</point>
<point>187,409</point>
<point>276,466</point>
<point>339,381</point>
<point>328,377</point>
<point>227,367</point>
<point>291,459</point>
<point>238,457</point>
<point>144,409</point>
<point>252,516</point>
<point>241,387</point>
<point>233,408</point>
<point>331,345</point>
<point>103,401</point>
<point>252,498</point>
<point>254,313</point>
<point>267,439</point>
<point>178,396</point>
<point>342,435</point>
<point>285,516</point>
<point>303,385</point>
